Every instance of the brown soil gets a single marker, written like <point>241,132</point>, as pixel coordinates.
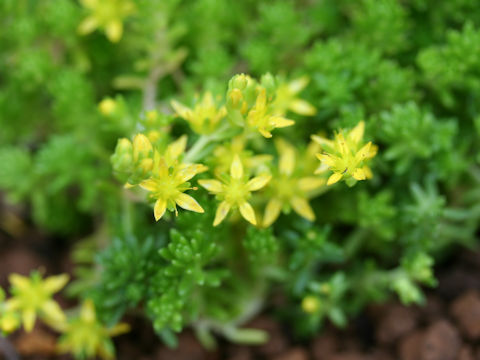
<point>446,328</point>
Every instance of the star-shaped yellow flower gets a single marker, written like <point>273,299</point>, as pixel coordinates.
<point>346,156</point>
<point>205,116</point>
<point>107,15</point>
<point>85,337</point>
<point>224,154</point>
<point>286,98</point>
<point>168,184</point>
<point>32,297</point>
<point>288,188</point>
<point>262,119</point>
<point>234,191</point>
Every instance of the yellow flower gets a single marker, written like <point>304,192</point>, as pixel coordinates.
<point>289,189</point>
<point>168,184</point>
<point>205,116</point>
<point>151,116</point>
<point>223,156</point>
<point>346,156</point>
<point>286,98</point>
<point>86,337</point>
<point>32,297</point>
<point>107,15</point>
<point>9,321</point>
<point>261,118</point>
<point>107,106</point>
<point>310,304</point>
<point>234,191</point>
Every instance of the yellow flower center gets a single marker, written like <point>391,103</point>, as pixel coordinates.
<point>166,188</point>
<point>285,187</point>
<point>236,192</point>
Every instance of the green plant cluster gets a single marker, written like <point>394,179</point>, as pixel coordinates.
<point>113,113</point>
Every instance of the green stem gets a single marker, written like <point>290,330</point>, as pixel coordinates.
<point>354,242</point>
<point>195,152</point>
<point>127,215</point>
<point>192,154</point>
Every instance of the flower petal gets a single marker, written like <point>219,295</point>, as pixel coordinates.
<point>322,141</point>
<point>52,312</point>
<point>357,132</point>
<point>236,168</point>
<point>141,146</point>
<point>118,329</point>
<point>327,159</point>
<point>89,4</point>
<point>342,144</point>
<point>287,161</point>
<point>87,312</point>
<point>321,169</point>
<point>52,284</point>
<point>334,178</point>
<point>280,121</point>
<point>368,172</point>
<point>114,30</point>
<point>19,281</point>
<point>248,213</point>
<point>364,152</point>
<point>221,213</point>
<point>302,208</point>
<point>181,110</point>
<point>175,149</point>
<point>188,203</point>
<point>214,186</point>
<point>302,107</point>
<point>149,184</point>
<point>310,183</point>
<point>359,174</point>
<point>272,211</point>
<point>373,151</point>
<point>297,85</point>
<point>265,133</point>
<point>28,318</point>
<point>88,25</point>
<point>258,182</point>
<point>159,208</point>
<point>187,173</point>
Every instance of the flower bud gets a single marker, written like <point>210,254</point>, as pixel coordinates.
<point>122,159</point>
<point>239,81</point>
<point>107,106</point>
<point>310,304</point>
<point>141,147</point>
<point>235,96</point>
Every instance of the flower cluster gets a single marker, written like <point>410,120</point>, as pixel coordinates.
<point>162,173</point>
<point>242,178</point>
<point>291,187</point>
<point>234,191</point>
<point>32,297</point>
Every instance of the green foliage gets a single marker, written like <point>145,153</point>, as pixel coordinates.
<point>452,66</point>
<point>412,133</point>
<point>127,267</point>
<point>381,24</point>
<point>346,72</point>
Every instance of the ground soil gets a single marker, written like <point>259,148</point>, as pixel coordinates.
<point>446,328</point>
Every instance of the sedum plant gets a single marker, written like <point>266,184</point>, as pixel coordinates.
<point>335,169</point>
